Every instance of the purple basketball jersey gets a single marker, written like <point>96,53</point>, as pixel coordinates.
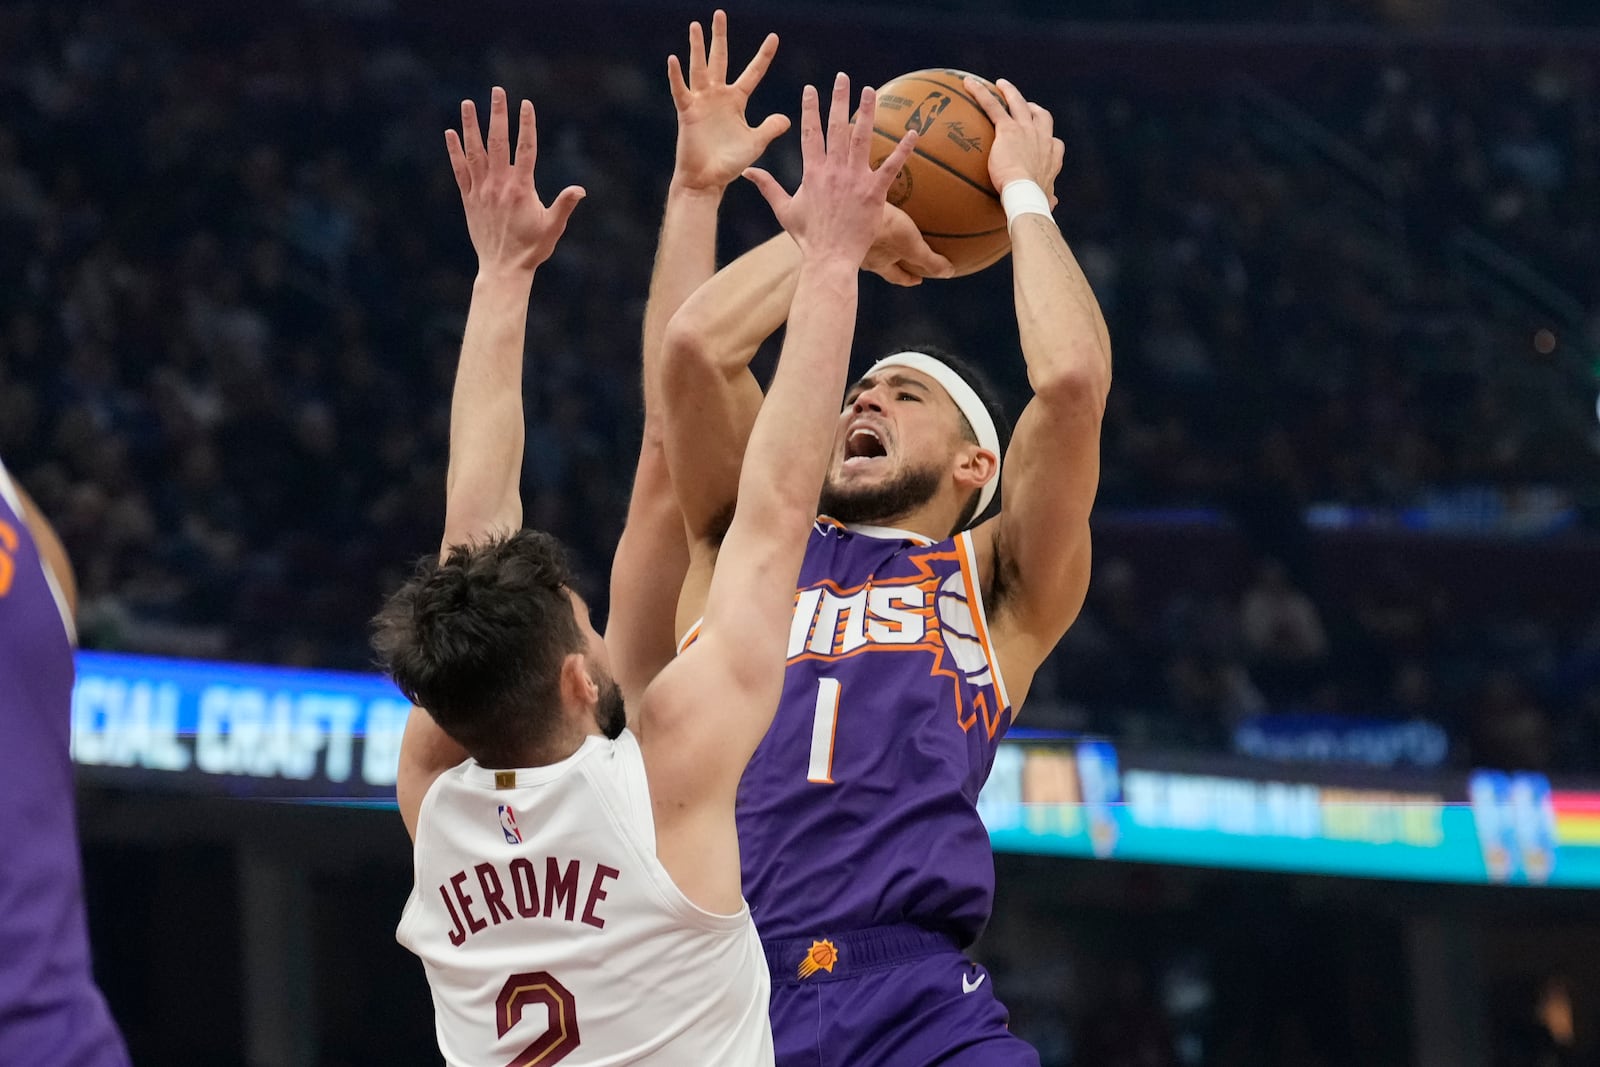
<point>50,1010</point>
<point>858,808</point>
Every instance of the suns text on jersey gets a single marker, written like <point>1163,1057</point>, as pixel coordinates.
<point>507,891</point>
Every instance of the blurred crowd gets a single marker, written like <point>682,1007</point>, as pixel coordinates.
<point>235,276</point>
<point>1319,13</point>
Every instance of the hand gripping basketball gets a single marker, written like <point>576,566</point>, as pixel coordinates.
<point>511,228</point>
<point>839,205</point>
<point>1025,145</point>
<point>901,255</point>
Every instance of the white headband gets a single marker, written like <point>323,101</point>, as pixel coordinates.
<point>967,402</point>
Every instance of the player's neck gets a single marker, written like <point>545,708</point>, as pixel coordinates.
<point>564,745</point>
<point>931,521</point>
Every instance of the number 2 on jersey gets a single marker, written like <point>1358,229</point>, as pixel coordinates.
<point>823,726</point>
<point>560,1036</point>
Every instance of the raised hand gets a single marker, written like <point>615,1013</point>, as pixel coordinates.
<point>1025,145</point>
<point>838,208</point>
<point>715,143</point>
<point>511,228</point>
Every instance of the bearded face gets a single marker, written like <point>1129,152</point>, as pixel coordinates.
<point>610,713</point>
<point>877,502</point>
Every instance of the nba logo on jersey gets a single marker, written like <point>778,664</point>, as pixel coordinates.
<point>508,825</point>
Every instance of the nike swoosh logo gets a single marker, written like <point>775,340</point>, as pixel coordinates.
<point>967,985</point>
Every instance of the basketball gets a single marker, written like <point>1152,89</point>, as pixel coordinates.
<point>945,185</point>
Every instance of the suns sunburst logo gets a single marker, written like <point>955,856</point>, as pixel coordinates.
<point>931,611</point>
<point>821,956</point>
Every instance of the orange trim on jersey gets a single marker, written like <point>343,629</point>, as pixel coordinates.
<point>688,639</point>
<point>969,574</point>
<point>936,647</point>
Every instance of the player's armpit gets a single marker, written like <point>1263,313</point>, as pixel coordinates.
<point>1037,550</point>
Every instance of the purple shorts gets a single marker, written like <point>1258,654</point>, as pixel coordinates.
<point>891,996</point>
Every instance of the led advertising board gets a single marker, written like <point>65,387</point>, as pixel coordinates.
<point>333,737</point>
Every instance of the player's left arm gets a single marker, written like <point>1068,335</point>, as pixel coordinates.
<point>513,233</point>
<point>1036,551</point>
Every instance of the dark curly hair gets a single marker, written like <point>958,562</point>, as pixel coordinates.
<point>479,640</point>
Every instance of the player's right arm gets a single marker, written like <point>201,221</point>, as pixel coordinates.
<point>513,233</point>
<point>709,385</point>
<point>710,707</point>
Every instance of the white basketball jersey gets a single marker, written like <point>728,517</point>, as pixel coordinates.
<point>551,934</point>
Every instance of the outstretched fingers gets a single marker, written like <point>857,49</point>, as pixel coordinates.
<point>772,127</point>
<point>861,129</point>
<point>717,58</point>
<point>697,56</point>
<point>756,69</point>
<point>499,129</point>
<point>562,206</point>
<point>774,193</point>
<point>839,111</point>
<point>895,160</point>
<point>471,134</point>
<point>675,82</point>
<point>812,149</point>
<point>527,143</point>
<point>458,161</point>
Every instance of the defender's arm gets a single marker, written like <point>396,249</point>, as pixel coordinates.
<point>513,233</point>
<point>710,708</point>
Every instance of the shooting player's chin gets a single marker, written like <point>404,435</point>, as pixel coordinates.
<point>861,472</point>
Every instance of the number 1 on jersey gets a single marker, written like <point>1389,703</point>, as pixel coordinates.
<point>822,730</point>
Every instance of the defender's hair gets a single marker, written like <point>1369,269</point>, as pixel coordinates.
<point>479,641</point>
<point>991,400</point>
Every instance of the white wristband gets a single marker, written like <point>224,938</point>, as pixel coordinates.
<point>1022,197</point>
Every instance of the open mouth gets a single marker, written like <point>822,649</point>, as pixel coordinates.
<point>862,447</point>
